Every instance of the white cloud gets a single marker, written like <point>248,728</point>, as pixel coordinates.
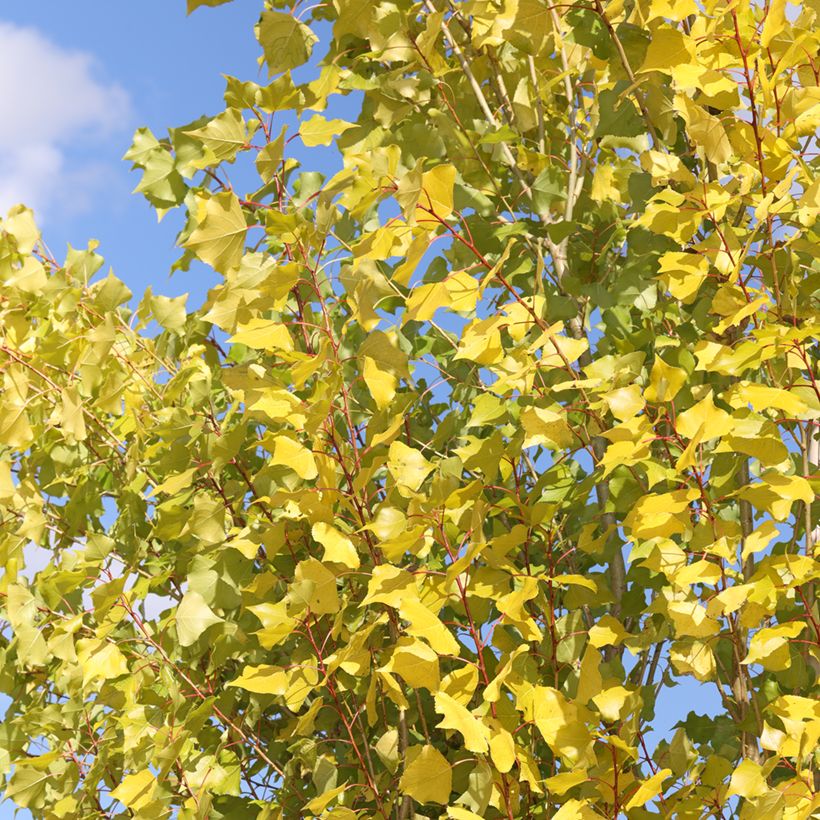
<point>51,101</point>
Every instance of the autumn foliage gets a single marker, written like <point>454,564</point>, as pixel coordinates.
<point>488,443</point>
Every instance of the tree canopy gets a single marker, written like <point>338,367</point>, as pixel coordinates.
<point>484,443</point>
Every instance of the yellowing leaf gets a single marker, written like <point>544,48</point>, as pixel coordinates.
<point>338,547</point>
<point>290,453</point>
<point>176,483</point>
<point>222,136</point>
<point>294,684</point>
<point>763,397</point>
<point>319,131</point>
<point>476,734</point>
<point>219,237</point>
<point>193,617</point>
<point>286,42</point>
<point>428,777</point>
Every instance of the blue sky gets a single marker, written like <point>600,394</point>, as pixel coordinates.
<point>109,68</point>
<point>76,79</point>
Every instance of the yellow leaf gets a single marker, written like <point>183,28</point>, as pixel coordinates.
<point>561,783</point>
<point>609,631</point>
<point>481,341</point>
<point>428,777</point>
<point>758,540</point>
<point>668,49</point>
<point>338,547</point>
<point>770,646</point>
<point>458,813</point>
<point>699,572</point>
<point>502,750</point>
<point>664,381</point>
<point>775,22</point>
<point>416,662</point>
<point>714,421</point>
<point>576,810</point>
<point>408,467</point>
<point>388,523</point>
<point>475,733</point>
<point>100,660</point>
<point>425,300</point>
<point>692,657</point>
<point>381,383</point>
<point>72,418</point>
<point>683,273</point>
<point>671,9</point>
<point>689,457</point>
<point>747,780</point>
<point>776,493</point>
<point>762,397</point>
<point>136,790</point>
<point>614,703</point>
<point>319,586</point>
<point>546,426</point>
<point>705,130</point>
<point>691,620</point>
<point>461,683</point>
<point>437,192</point>
<point>425,624</point>
<point>321,801</point>
<point>389,585</point>
<point>648,790</point>
<point>263,334</point>
<point>290,453</point>
<point>562,724</point>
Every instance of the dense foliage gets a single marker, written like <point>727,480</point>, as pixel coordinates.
<point>482,445</point>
